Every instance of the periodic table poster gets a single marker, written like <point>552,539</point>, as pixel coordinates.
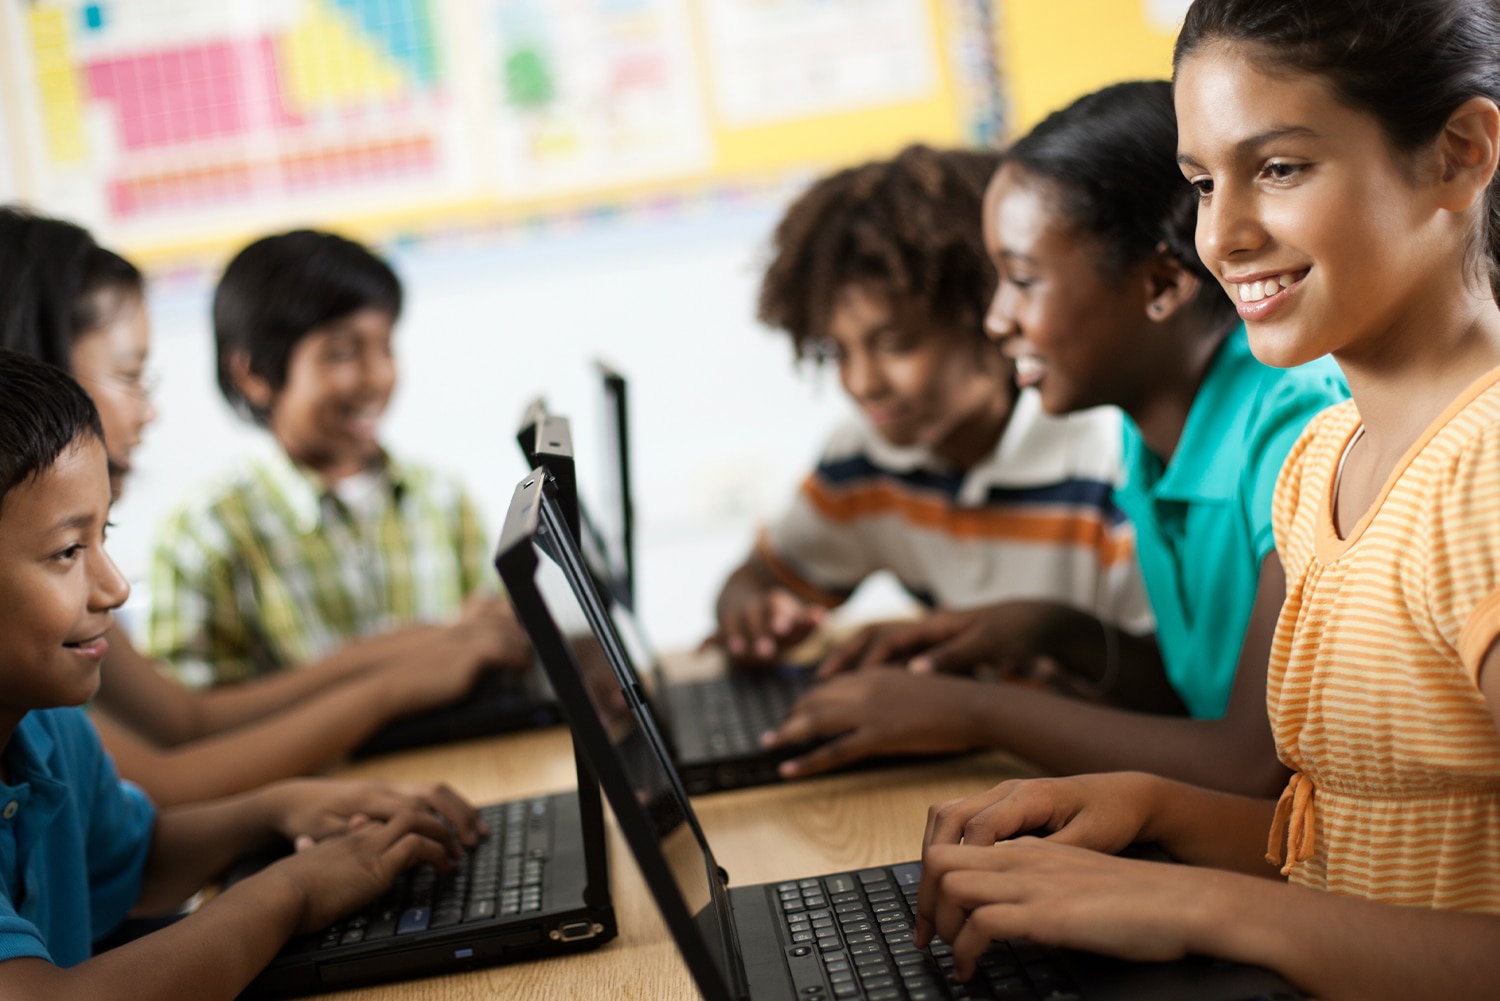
<point>175,128</point>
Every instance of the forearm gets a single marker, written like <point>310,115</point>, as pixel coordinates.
<point>296,742</point>
<point>1127,669</point>
<point>206,956</point>
<point>195,843</point>
<point>1340,948</point>
<point>1068,737</point>
<point>236,705</point>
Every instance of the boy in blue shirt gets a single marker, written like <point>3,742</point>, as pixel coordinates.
<point>79,850</point>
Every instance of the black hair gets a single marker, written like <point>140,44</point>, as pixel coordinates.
<point>1408,64</point>
<point>1110,158</point>
<point>278,289</point>
<point>52,274</point>
<point>42,413</point>
<point>910,226</point>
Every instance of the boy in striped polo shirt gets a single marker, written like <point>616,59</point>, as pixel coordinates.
<point>950,478</point>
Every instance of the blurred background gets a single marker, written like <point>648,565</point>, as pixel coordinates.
<point>555,181</point>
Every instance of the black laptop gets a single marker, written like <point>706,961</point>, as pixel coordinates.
<point>846,935</point>
<point>537,886</point>
<point>712,726</point>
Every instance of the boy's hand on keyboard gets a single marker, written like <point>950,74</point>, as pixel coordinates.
<point>320,808</point>
<point>341,873</point>
<point>773,620</point>
<point>1061,895</point>
<point>878,711</point>
<point>942,642</point>
<point>453,661</point>
<point>489,626</point>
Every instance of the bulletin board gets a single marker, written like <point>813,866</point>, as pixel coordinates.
<point>176,129</point>
<point>1051,52</point>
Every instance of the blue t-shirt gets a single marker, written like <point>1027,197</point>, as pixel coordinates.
<point>1203,520</point>
<point>73,840</point>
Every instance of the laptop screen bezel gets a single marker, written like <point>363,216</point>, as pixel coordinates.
<point>718,967</point>
<point>616,411</point>
<point>552,450</point>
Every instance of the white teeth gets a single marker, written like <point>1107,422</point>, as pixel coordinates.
<point>1257,290</point>
<point>1030,367</point>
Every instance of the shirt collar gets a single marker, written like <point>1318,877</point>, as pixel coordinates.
<point>31,746</point>
<point>303,491</point>
<point>1032,450</point>
<point>1205,466</point>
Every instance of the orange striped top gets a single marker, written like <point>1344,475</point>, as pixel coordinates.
<point>1373,686</point>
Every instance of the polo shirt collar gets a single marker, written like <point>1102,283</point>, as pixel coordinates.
<point>1205,467</point>
<point>1031,452</point>
<point>33,785</point>
<point>302,490</point>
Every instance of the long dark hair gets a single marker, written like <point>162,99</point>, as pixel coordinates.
<point>50,274</point>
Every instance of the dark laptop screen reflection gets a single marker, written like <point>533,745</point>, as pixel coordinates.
<point>642,763</point>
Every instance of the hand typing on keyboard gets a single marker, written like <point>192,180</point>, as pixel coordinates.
<point>1061,895</point>
<point>329,879</point>
<point>501,877</point>
<point>881,710</point>
<point>317,808</point>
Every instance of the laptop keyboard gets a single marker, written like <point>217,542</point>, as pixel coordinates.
<point>499,877</point>
<point>736,709</point>
<point>850,936</point>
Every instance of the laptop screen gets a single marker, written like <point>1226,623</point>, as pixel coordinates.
<point>598,660</point>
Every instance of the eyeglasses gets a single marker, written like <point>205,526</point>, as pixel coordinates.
<point>142,385</point>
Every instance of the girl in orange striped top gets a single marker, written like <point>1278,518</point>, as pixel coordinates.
<point>1345,153</point>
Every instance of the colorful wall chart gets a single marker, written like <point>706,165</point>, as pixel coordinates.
<point>177,128</point>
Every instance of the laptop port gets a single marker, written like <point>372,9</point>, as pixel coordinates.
<point>575,931</point>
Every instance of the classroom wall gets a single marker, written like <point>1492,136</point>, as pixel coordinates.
<point>724,425</point>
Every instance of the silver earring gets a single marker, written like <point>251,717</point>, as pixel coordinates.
<point>1156,309</point>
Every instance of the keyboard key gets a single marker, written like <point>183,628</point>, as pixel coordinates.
<point>412,920</point>
<point>907,874</point>
<point>479,910</point>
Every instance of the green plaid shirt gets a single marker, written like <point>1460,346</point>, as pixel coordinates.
<point>269,569</point>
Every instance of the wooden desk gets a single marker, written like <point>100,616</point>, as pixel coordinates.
<point>767,834</point>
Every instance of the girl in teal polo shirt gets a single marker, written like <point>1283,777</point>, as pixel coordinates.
<point>1102,300</point>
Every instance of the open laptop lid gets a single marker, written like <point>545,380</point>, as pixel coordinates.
<point>618,513</point>
<point>563,613</point>
<point>553,451</point>
<point>526,430</point>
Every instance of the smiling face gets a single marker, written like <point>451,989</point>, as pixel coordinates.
<point>110,362</point>
<point>918,383</point>
<point>1326,238</point>
<point>57,584</point>
<point>339,381</point>
<point>1075,333</point>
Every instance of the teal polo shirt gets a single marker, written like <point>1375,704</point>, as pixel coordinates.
<point>73,840</point>
<point>1203,520</point>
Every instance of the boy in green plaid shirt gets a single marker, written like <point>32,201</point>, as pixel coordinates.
<point>325,538</point>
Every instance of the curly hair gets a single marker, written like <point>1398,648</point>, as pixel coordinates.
<point>909,226</point>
